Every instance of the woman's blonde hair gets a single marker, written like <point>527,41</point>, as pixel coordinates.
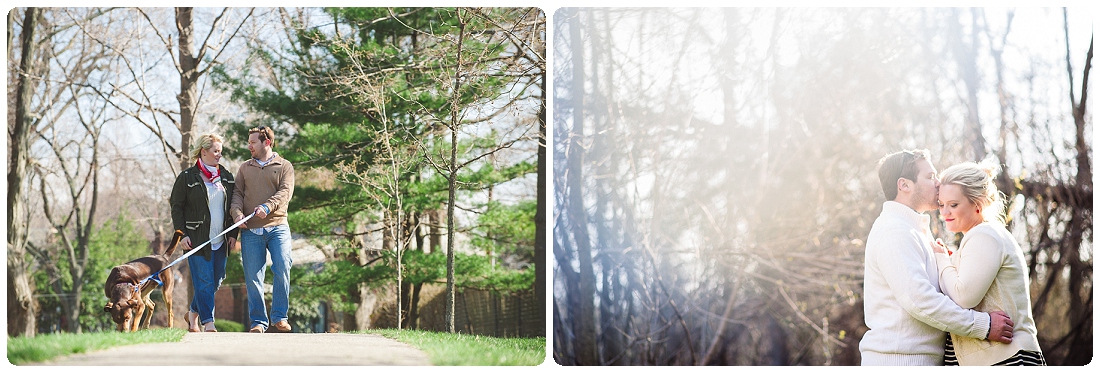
<point>977,182</point>
<point>203,142</point>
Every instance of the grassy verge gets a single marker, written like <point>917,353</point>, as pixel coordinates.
<point>465,349</point>
<point>44,347</point>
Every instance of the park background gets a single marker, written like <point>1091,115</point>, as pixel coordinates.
<point>715,170</point>
<point>415,134</point>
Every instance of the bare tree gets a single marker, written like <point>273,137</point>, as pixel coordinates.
<point>22,307</point>
<point>75,162</point>
<point>725,166</point>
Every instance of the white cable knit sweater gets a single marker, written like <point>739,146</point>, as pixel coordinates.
<point>903,306</point>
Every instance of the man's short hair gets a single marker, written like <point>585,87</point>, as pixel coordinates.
<point>898,165</point>
<point>265,134</point>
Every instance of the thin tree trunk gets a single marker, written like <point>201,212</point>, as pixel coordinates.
<point>968,70</point>
<point>584,318</point>
<point>435,236</point>
<point>452,181</point>
<point>414,307</point>
<point>406,290</point>
<point>1081,344</point>
<point>22,307</point>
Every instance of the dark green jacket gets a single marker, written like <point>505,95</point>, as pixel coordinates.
<point>191,211</point>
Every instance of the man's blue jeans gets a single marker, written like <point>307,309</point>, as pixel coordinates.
<point>254,252</point>
<point>206,278</point>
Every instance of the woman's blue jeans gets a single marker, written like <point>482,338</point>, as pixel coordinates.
<point>254,252</point>
<point>206,278</point>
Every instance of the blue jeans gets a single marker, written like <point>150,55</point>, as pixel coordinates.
<point>206,278</point>
<point>254,250</point>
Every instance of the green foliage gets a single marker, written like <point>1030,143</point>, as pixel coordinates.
<point>465,349</point>
<point>22,350</point>
<point>228,326</point>
<point>316,211</point>
<point>336,281</point>
<point>477,272</point>
<point>508,229</point>
<point>234,270</point>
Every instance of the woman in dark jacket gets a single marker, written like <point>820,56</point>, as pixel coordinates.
<point>200,208</point>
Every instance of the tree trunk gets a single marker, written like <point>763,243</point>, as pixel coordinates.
<point>403,320</point>
<point>71,307</point>
<point>22,307</point>
<point>965,57</point>
<point>1080,286</point>
<point>414,307</point>
<point>611,344</point>
<point>540,203</point>
<point>387,232</point>
<point>189,77</point>
<point>418,233</point>
<point>435,234</point>
<point>452,180</point>
<point>584,327</point>
<point>367,300</point>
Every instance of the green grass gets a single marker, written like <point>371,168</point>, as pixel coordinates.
<point>44,347</point>
<point>465,349</point>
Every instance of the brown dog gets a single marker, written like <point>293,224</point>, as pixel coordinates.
<point>124,298</point>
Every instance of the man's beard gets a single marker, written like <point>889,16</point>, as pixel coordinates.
<point>924,204</point>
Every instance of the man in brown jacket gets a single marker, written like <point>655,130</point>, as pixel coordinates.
<point>265,184</point>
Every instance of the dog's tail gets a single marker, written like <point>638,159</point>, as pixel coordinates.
<point>175,241</point>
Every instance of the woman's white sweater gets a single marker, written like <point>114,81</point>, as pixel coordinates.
<point>988,273</point>
<point>903,306</point>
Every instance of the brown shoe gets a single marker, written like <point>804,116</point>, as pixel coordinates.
<point>281,327</point>
<point>256,329</point>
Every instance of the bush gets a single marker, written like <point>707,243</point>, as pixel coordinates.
<point>228,326</point>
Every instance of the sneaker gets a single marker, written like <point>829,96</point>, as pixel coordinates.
<point>281,327</point>
<point>256,329</point>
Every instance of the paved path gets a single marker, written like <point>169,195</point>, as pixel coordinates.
<point>258,349</point>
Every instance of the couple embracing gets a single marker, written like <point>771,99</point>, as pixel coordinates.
<point>926,304</point>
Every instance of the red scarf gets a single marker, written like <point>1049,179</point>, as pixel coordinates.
<point>215,178</point>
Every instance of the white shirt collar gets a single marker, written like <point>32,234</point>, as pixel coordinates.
<point>269,159</point>
<point>907,213</point>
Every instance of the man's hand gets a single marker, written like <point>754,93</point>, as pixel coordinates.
<point>260,213</point>
<point>186,242</point>
<point>229,242</point>
<point>1000,327</point>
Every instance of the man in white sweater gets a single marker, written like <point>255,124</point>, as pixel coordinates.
<point>903,306</point>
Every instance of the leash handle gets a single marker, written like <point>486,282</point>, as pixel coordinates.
<point>195,249</point>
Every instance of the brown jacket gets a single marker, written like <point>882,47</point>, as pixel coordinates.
<point>271,185</point>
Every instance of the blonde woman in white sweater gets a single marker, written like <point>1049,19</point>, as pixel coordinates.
<point>988,272</point>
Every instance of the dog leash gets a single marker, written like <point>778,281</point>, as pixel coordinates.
<point>193,250</point>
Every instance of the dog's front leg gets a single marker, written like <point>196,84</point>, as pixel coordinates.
<point>136,321</point>
<point>149,305</point>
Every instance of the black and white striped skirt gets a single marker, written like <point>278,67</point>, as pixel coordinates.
<point>1021,358</point>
